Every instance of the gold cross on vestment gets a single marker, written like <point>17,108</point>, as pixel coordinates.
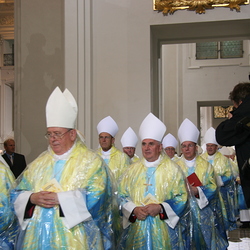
<point>147,185</point>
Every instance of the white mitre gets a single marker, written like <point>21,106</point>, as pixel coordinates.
<point>152,128</point>
<point>107,125</point>
<point>61,109</point>
<point>129,138</point>
<point>188,132</point>
<point>232,150</point>
<point>209,136</point>
<point>204,147</point>
<point>225,151</point>
<point>199,149</point>
<point>169,141</point>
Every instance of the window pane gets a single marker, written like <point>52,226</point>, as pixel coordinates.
<point>8,60</point>
<point>231,49</point>
<point>207,50</point>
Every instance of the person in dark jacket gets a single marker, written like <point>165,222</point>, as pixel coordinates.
<point>16,162</point>
<point>236,132</point>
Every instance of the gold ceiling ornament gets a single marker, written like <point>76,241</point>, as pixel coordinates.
<point>6,20</point>
<point>199,6</point>
<point>222,111</point>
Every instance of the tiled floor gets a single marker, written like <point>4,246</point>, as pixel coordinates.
<point>239,239</point>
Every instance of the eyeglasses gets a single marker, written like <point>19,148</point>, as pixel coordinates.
<point>188,146</point>
<point>56,135</point>
<point>170,149</point>
<point>104,137</point>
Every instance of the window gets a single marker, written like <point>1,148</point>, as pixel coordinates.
<point>219,50</point>
<point>8,60</point>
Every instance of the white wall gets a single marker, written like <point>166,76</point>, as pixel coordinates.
<point>121,66</point>
<point>39,68</point>
<point>184,85</point>
<point>209,83</point>
<point>113,75</point>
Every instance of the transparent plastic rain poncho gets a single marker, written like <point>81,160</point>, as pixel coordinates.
<point>118,162</point>
<point>226,184</point>
<point>166,183</point>
<point>84,179</point>
<point>8,221</point>
<point>209,231</point>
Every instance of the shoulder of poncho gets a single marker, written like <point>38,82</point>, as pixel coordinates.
<point>180,161</point>
<point>44,155</point>
<point>136,165</point>
<point>166,162</point>
<point>115,152</point>
<point>204,155</point>
<point>219,155</point>
<point>4,170</point>
<point>81,151</point>
<point>221,159</point>
<point>202,162</point>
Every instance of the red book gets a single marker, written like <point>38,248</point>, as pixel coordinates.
<point>194,180</point>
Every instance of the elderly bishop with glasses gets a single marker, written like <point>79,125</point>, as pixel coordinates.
<point>63,200</point>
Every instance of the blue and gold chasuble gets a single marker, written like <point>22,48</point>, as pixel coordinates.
<point>8,221</point>
<point>223,169</point>
<point>208,232</point>
<point>166,183</point>
<point>117,161</point>
<point>82,171</point>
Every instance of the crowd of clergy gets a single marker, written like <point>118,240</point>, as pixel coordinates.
<point>72,197</point>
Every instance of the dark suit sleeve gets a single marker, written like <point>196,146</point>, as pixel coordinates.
<point>6,158</point>
<point>228,134</point>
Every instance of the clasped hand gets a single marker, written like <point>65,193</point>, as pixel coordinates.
<point>194,190</point>
<point>44,199</point>
<point>143,212</point>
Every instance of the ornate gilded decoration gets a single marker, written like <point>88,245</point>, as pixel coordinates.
<point>6,14</point>
<point>199,6</point>
<point>6,20</point>
<point>222,111</point>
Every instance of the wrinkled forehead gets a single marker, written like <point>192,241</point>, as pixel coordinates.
<point>56,129</point>
<point>188,142</point>
<point>150,141</point>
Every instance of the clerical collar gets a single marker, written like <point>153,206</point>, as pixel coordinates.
<point>106,153</point>
<point>210,157</point>
<point>190,163</point>
<point>64,156</point>
<point>152,164</point>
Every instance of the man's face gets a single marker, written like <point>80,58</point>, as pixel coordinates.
<point>106,141</point>
<point>170,151</point>
<point>188,149</point>
<point>151,149</point>
<point>130,151</point>
<point>61,139</point>
<point>211,148</point>
<point>10,147</point>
